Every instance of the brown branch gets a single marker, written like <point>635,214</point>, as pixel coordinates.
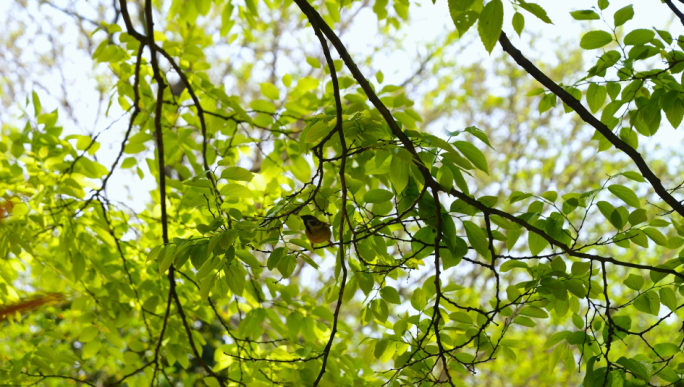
<point>436,315</point>
<point>134,115</point>
<point>58,377</point>
<point>551,240</point>
<point>190,339</point>
<point>200,111</point>
<point>676,11</point>
<point>343,183</point>
<point>591,120</point>
<point>161,84</point>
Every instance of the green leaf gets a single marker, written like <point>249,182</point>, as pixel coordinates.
<point>576,287</point>
<point>399,173</point>
<point>270,91</point>
<point>477,238</point>
<point>533,311</point>
<point>634,282</point>
<point>577,321</point>
<point>390,295</point>
<point>524,321</point>
<point>673,108</point>
<point>365,281</point>
<point>128,162</point>
<point>668,298</point>
<point>656,236</point>
<point>211,381</point>
<point>518,23</point>
<point>579,268</point>
<point>517,196</point>
<point>380,347</point>
<point>613,87</point>
<point>91,349</point>
<point>377,196</point>
<point>596,97</point>
<point>536,10</point>
<point>261,105</point>
<point>595,39</point>
<point>633,176</point>
<point>460,5</point>
<point>666,350</point>
<point>228,238</point>
<point>547,102</point>
<point>165,258</point>
<point>78,265</point>
<point>648,302</point>
<point>510,265</point>
<point>235,278</point>
<point>37,108</point>
<point>555,339</point>
<point>318,131</point>
<point>490,23</point>
<point>445,178</point>
<point>635,367</point>
<point>473,155</point>
<point>623,15</point>
<point>625,194</point>
<point>512,293</point>
<point>206,286</point>
<point>536,91</point>
<point>418,300</point>
<point>462,20</point>
<point>236,190</point>
<point>89,334</point>
<point>237,174</point>
<point>313,62</point>
<point>536,242</point>
<point>287,265</point>
<point>274,258</point>
<point>482,136</point>
<point>461,317</point>
<point>208,266</point>
<point>637,216</point>
<point>638,37</point>
<point>550,196</point>
<point>585,14</point>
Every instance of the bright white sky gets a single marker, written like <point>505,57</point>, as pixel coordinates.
<point>429,22</point>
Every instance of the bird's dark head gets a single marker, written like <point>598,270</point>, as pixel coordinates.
<point>310,222</point>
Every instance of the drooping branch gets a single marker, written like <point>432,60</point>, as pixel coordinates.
<point>593,121</point>
<point>343,183</point>
<point>676,11</point>
<point>436,315</point>
<point>184,79</point>
<point>161,85</point>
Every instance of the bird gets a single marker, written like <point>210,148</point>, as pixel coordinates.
<point>316,231</point>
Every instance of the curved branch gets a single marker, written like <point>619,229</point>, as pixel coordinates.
<point>676,11</point>
<point>591,120</point>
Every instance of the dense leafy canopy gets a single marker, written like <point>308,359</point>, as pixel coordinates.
<point>525,245</point>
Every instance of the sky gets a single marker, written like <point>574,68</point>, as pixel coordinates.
<point>429,21</point>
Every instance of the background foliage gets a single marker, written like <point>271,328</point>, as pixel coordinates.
<point>505,224</point>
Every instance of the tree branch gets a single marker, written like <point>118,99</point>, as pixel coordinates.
<point>591,120</point>
<point>343,183</point>
<point>676,11</point>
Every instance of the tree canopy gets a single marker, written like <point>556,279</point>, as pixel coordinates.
<point>503,222</point>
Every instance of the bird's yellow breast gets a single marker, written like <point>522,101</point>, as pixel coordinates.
<point>318,235</point>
